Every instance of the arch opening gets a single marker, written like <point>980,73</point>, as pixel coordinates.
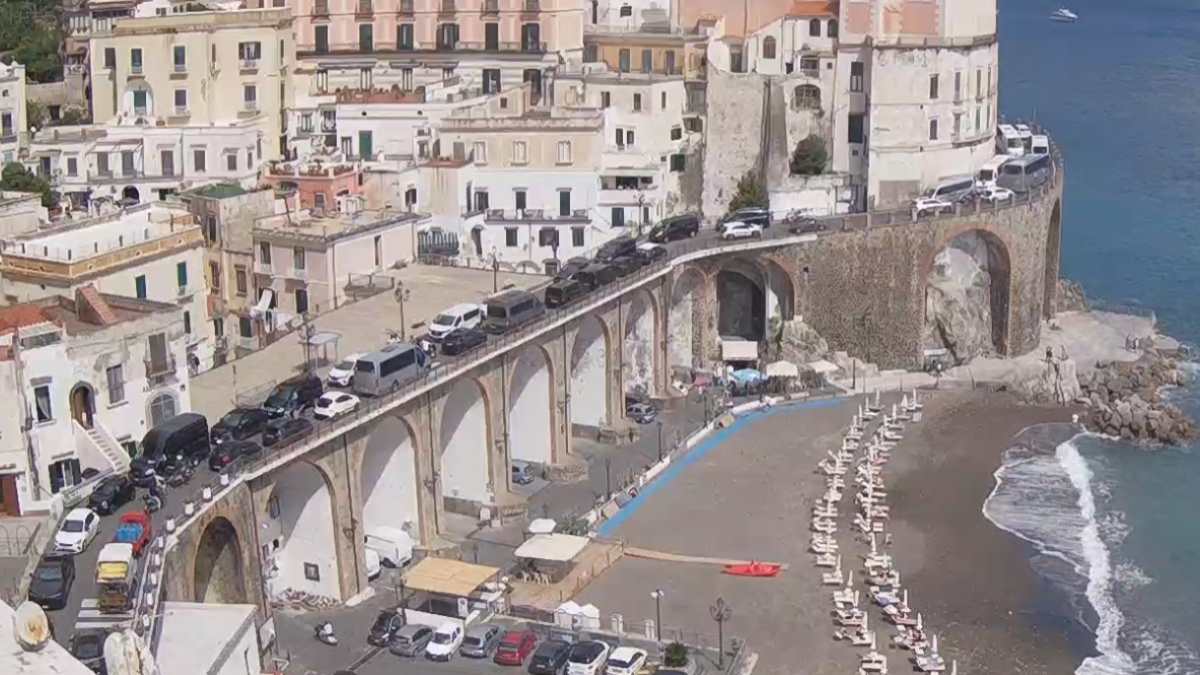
<point>162,407</point>
<point>83,405</point>
<point>638,346</point>
<point>218,566</point>
<point>388,479</point>
<point>589,368</point>
<point>130,195</point>
<point>301,533</point>
<point>1053,253</point>
<point>967,297</point>
<point>465,445</point>
<point>529,404</point>
<point>741,304</point>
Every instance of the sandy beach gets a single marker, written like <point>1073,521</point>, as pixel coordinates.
<point>750,494</point>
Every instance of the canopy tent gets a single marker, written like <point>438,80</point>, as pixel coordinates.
<point>823,367</point>
<point>448,577</point>
<point>541,526</point>
<point>552,547</point>
<point>782,369</point>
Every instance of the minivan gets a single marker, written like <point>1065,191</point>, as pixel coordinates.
<point>292,396</point>
<point>1040,144</point>
<point>616,248</point>
<point>954,189</point>
<point>564,291</point>
<point>596,275</point>
<point>755,215</point>
<point>185,435</point>
<point>676,227</point>
<point>465,315</point>
<point>388,369</point>
<point>511,309</point>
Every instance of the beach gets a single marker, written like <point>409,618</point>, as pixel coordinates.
<point>749,494</point>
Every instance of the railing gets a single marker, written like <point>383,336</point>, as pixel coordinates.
<point>490,7</point>
<point>448,7</point>
<point>264,268</point>
<point>249,64</point>
<point>364,9</point>
<point>406,7</point>
<point>531,7</point>
<point>321,8</point>
<point>535,216</point>
<point>159,371</point>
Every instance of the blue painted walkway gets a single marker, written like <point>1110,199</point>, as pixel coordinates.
<point>609,527</point>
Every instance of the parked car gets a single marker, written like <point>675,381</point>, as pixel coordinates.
<point>334,404</point>
<point>284,430</point>
<point>755,215</point>
<point>626,264</point>
<point>806,225</point>
<point>373,564</point>
<point>510,310</point>
<point>87,646</point>
<point>110,494</point>
<point>740,230</point>
<point>930,205</point>
<point>587,658</point>
<point>445,641</point>
<point>676,227</point>
<point>239,424</point>
<point>290,397</point>
<point>342,372</point>
<point>233,451</point>
<point>134,529</point>
<point>78,530</point>
<point>563,291</point>
<point>549,658</point>
<point>463,340</point>
<point>387,624</point>
<point>994,194</point>
<point>465,315</point>
<point>185,434</point>
<point>522,472</point>
<point>411,639</point>
<point>52,580</point>
<point>625,661</point>
<point>480,640</point>
<point>650,253</point>
<point>642,413</point>
<point>515,646</point>
<point>596,275</point>
<point>572,266</point>
<point>615,248</point>
<point>394,545</point>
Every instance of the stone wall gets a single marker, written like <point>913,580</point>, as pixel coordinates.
<point>733,135</point>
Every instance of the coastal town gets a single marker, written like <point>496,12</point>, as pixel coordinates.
<point>568,337</point>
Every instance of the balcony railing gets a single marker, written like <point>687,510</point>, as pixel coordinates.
<point>406,7</point>
<point>249,64</point>
<point>531,6</point>
<point>160,369</point>
<point>264,268</point>
<point>535,215</point>
<point>180,68</point>
<point>250,106</point>
<point>364,9</point>
<point>448,7</point>
<point>490,7</point>
<point>296,273</point>
<point>181,110</point>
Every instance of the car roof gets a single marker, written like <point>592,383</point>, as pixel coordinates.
<point>482,628</point>
<point>460,308</point>
<point>412,628</point>
<point>626,653</point>
<point>515,636</point>
<point>78,514</point>
<point>448,626</point>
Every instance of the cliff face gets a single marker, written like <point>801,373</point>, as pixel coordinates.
<point>958,303</point>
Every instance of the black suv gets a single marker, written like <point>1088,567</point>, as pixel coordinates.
<point>676,227</point>
<point>615,248</point>
<point>110,494</point>
<point>239,424</point>
<point>292,396</point>
<point>87,645</point>
<point>564,291</point>
<point>596,275</point>
<point>284,430</point>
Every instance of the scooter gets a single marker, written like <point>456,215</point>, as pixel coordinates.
<point>153,499</point>
<point>324,633</point>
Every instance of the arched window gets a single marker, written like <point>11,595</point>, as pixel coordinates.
<point>806,97</point>
<point>814,28</point>
<point>768,47</point>
<point>162,407</point>
<point>831,28</point>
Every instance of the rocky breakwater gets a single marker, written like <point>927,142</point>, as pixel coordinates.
<point>1125,400</point>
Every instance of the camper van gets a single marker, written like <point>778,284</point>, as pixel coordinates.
<point>1041,144</point>
<point>986,177</point>
<point>1025,173</point>
<point>1008,141</point>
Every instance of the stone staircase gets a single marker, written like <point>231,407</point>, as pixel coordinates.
<point>101,443</point>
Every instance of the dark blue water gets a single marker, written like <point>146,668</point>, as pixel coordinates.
<point>1120,91</point>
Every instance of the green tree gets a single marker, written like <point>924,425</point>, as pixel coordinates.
<point>36,114</point>
<point>675,655</point>
<point>73,115</point>
<point>16,177</point>
<point>30,34</point>
<point>751,191</point>
<point>809,157</point>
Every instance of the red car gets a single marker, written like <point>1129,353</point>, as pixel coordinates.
<point>134,528</point>
<point>515,647</point>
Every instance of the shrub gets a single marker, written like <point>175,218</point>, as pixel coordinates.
<point>750,192</point>
<point>675,656</point>
<point>809,157</point>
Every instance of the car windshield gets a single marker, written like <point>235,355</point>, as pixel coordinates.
<point>443,319</point>
<point>443,638</point>
<point>280,397</point>
<point>382,621</point>
<point>620,663</point>
<point>472,641</point>
<point>345,364</point>
<point>73,526</point>
<point>87,647</point>
<point>325,400</point>
<point>50,573</point>
<point>585,653</point>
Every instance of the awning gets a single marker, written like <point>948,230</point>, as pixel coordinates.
<point>782,369</point>
<point>264,303</point>
<point>322,338</point>
<point>737,349</point>
<point>448,577</point>
<point>823,367</point>
<point>541,526</point>
<point>552,547</point>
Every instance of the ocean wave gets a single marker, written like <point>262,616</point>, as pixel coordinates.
<point>1129,576</point>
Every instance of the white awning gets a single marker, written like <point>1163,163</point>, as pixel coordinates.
<point>552,547</point>
<point>737,349</point>
<point>541,526</point>
<point>823,367</point>
<point>782,369</point>
<point>264,303</point>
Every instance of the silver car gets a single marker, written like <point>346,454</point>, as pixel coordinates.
<point>480,641</point>
<point>410,640</point>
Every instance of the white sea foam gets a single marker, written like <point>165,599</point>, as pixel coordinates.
<point>1129,576</point>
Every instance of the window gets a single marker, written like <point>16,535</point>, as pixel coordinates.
<point>250,96</point>
<point>678,162</point>
<point>618,217</point>
<point>520,199</point>
<point>806,97</point>
<point>933,129</point>
<point>491,80</point>
<point>447,36</point>
<point>663,105</point>
<point>479,152</point>
<point>518,152</point>
<point>41,399</point>
<point>214,274</point>
<point>647,61</point>
<point>319,200</point>
<point>491,36</point>
<point>180,58</point>
<point>406,79</point>
<point>321,39</point>
<point>366,37</point>
<point>548,236</point>
<point>977,125</point>
<point>831,28</point>
<point>978,83</point>
<point>322,80</point>
<point>110,58</point>
<point>245,328</point>
<point>135,60</point>
<point>510,236</point>
<point>577,236</point>
<point>629,137</point>
<point>676,133</point>
<point>187,323</point>
<point>669,62</point>
<point>63,473</point>
<point>239,279</point>
<point>249,53</point>
<point>637,103</point>
<point>264,252</point>
<point>564,202</point>
<point>181,274</point>
<point>404,39</point>
<point>814,28</point>
<point>623,60</point>
<point>139,287</point>
<point>312,572</point>
<point>958,85</point>
<point>933,86</point>
<point>167,161</point>
<point>768,47</point>
<point>199,160</point>
<point>162,407</point>
<point>564,152</point>
<point>301,301</point>
<point>855,130</point>
<point>605,99</point>
<point>957,124</point>
<point>73,165</point>
<point>102,164</point>
<point>231,161</point>
<point>531,38</point>
<point>210,230</point>
<point>377,247</point>
<point>180,100</point>
<point>856,76</point>
<point>298,258</point>
<point>140,100</point>
<point>735,60</point>
<point>219,327</point>
<point>116,384</point>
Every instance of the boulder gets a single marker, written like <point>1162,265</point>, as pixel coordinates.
<point>799,343</point>
<point>1069,297</point>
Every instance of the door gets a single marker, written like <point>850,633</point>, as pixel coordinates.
<point>365,145</point>
<point>564,202</point>
<point>491,36</point>
<point>83,406</point>
<point>301,301</point>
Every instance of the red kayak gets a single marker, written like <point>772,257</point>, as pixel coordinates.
<point>753,569</point>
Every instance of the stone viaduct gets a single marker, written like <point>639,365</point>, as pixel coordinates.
<point>296,518</point>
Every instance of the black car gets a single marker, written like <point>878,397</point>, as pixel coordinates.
<point>110,494</point>
<point>628,264</point>
<point>87,646</point>
<point>385,626</point>
<point>285,429</point>
<point>676,227</point>
<point>805,225</point>
<point>550,657</point>
<point>239,424</point>
<point>615,248</point>
<point>596,275</point>
<point>184,434</point>
<point>755,215</point>
<point>232,451</point>
<point>292,396</point>
<point>651,253</point>
<point>564,291</point>
<point>52,580</point>
<point>462,340</point>
<point>572,266</point>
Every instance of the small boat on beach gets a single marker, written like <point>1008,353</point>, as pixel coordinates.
<point>1064,15</point>
<point>753,569</point>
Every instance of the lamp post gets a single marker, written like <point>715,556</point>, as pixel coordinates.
<point>720,612</point>
<point>402,601</point>
<point>660,427</point>
<point>401,294</point>
<point>607,477</point>
<point>657,594</point>
<point>495,271</point>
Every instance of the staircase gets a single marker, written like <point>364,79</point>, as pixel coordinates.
<point>98,443</point>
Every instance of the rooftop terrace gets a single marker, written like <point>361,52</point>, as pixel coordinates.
<point>306,226</point>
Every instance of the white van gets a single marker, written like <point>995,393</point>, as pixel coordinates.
<point>1026,135</point>
<point>989,171</point>
<point>465,315</point>
<point>953,189</point>
<point>1040,144</point>
<point>394,546</point>
<point>1008,141</point>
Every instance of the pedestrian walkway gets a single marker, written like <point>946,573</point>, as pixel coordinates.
<point>90,616</point>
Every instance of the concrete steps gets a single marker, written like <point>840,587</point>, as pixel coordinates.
<point>108,446</point>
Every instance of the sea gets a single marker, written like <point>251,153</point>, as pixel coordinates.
<point>1114,529</point>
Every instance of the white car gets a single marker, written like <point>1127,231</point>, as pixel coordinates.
<point>78,530</point>
<point>465,315</point>
<point>738,230</point>
<point>334,404</point>
<point>927,205</point>
<point>374,564</point>
<point>587,658</point>
<point>625,661</point>
<point>445,642</point>
<point>342,373</point>
<point>994,194</point>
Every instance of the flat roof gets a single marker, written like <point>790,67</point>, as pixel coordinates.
<point>219,191</point>
<point>199,638</point>
<point>448,577</point>
<point>52,659</point>
<point>303,225</point>
<point>553,547</point>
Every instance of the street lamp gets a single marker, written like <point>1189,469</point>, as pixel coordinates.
<point>402,601</point>
<point>401,294</point>
<point>720,613</point>
<point>495,271</point>
<point>657,594</point>
<point>660,427</point>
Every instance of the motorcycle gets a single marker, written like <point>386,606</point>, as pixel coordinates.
<point>324,633</point>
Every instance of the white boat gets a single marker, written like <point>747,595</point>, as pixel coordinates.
<point>933,662</point>
<point>1064,15</point>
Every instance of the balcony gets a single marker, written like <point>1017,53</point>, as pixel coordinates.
<point>249,107</point>
<point>160,370</point>
<point>180,69</point>
<point>321,8</point>
<point>406,7</point>
<point>182,111</point>
<point>530,8</point>
<point>447,7</point>
<point>264,268</point>
<point>300,273</point>
<point>364,9</point>
<point>135,70</point>
<point>535,216</point>
<point>490,8</point>
<point>329,126</point>
<point>248,64</point>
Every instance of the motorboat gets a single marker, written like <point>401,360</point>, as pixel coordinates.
<point>846,597</point>
<point>828,560</point>
<point>834,576</point>
<point>931,662</point>
<point>873,661</point>
<point>1064,15</point>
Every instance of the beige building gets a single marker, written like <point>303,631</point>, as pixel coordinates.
<point>13,124</point>
<point>197,69</point>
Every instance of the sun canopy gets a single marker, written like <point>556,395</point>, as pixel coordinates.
<point>448,577</point>
<point>782,369</point>
<point>541,526</point>
<point>823,367</point>
<point>322,338</point>
<point>552,547</point>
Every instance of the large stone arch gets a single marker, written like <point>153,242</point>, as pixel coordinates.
<point>217,575</point>
<point>530,406</point>
<point>465,435</point>
<point>303,531</point>
<point>948,315</point>
<point>639,344</point>
<point>388,477</point>
<point>590,360</point>
<point>742,300</point>
<point>683,318</point>
<point>1053,255</point>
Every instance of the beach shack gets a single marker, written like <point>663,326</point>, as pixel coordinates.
<point>456,589</point>
<point>115,570</point>
<point>548,558</point>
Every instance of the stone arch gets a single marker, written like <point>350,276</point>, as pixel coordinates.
<point>639,342</point>
<point>781,290</point>
<point>131,193</point>
<point>388,477</point>
<point>1053,254</point>
<point>465,434</point>
<point>683,316</point>
<point>956,298</point>
<point>741,300</point>
<point>217,572</point>
<point>590,359</point>
<point>530,406</point>
<point>303,532</point>
<point>161,406</point>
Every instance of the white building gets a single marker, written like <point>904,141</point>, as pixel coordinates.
<point>13,123</point>
<point>150,252</point>
<point>211,638</point>
<point>84,377</point>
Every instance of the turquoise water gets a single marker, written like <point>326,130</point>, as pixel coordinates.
<point>1120,90</point>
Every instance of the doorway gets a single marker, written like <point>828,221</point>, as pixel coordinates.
<point>83,405</point>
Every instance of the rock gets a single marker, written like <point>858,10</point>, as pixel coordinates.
<point>799,343</point>
<point>1069,297</point>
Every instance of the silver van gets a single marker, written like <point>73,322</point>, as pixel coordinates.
<point>954,189</point>
<point>509,310</point>
<point>389,368</point>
